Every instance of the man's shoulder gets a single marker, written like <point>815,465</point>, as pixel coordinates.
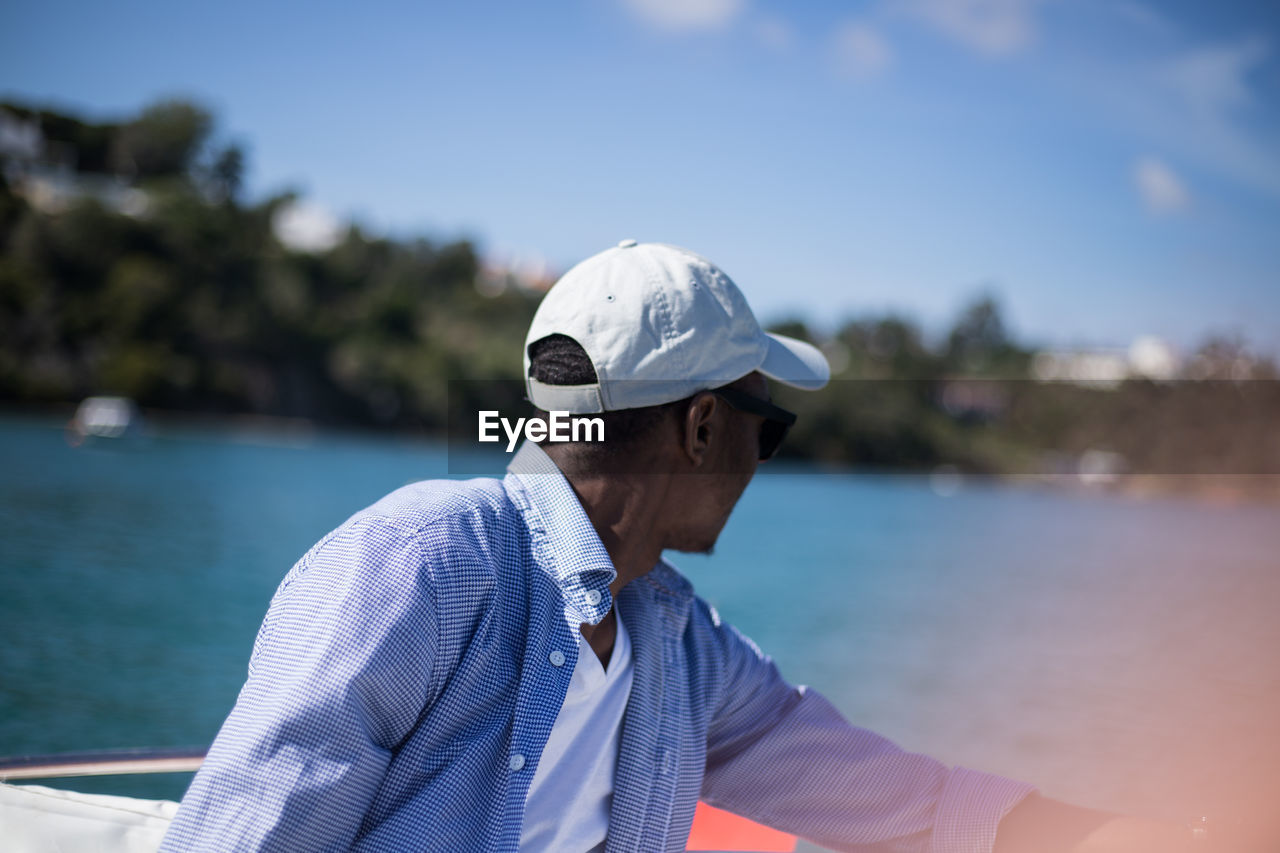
<point>667,579</point>
<point>668,587</point>
<point>703,620</point>
<point>448,520</point>
<point>421,505</point>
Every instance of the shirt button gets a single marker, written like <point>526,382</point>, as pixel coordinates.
<point>593,597</point>
<point>516,762</point>
<point>557,658</point>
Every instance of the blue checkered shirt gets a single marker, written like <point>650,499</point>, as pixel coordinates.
<point>403,685</point>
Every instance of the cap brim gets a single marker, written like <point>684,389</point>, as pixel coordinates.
<point>795,363</point>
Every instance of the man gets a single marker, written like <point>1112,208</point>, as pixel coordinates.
<point>503,665</point>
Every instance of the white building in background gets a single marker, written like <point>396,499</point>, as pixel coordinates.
<point>307,226</point>
<point>20,139</point>
<point>529,272</point>
<point>1148,357</point>
<point>54,191</point>
<point>1152,358</point>
<point>44,173</point>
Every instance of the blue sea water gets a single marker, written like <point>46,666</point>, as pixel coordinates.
<point>1120,653</point>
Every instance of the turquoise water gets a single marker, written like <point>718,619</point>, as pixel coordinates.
<point>1119,653</point>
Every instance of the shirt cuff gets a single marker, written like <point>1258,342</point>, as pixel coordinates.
<point>970,810</point>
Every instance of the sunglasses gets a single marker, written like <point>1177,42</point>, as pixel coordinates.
<point>776,419</point>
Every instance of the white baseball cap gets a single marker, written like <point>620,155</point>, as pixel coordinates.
<point>659,324</point>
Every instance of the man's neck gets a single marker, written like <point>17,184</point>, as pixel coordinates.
<point>626,512</point>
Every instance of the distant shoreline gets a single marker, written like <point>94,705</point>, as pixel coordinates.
<point>1208,489</point>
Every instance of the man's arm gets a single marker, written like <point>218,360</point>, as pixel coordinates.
<point>339,675</point>
<point>785,757</point>
<point>1041,825</point>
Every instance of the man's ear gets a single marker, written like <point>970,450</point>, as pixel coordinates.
<point>699,427</point>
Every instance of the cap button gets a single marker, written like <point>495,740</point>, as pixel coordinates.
<point>626,244</point>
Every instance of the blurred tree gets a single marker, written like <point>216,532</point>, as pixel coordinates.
<point>226,174</point>
<point>1228,356</point>
<point>165,141</point>
<point>68,140</point>
<point>793,328</point>
<point>980,344</point>
<point>882,347</point>
<point>978,332</point>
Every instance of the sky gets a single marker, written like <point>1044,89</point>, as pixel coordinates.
<point>1107,169</point>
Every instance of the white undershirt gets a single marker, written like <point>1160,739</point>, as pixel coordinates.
<point>567,807</point>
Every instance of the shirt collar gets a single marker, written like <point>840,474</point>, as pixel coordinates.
<point>566,545</point>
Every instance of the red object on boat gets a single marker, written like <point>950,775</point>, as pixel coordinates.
<point>716,829</point>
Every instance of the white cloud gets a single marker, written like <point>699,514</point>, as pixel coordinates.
<point>686,15</point>
<point>1143,16</point>
<point>1162,191</point>
<point>775,34</point>
<point>1213,80</point>
<point>307,227</point>
<point>860,51</point>
<point>1211,100</point>
<point>1203,103</point>
<point>992,27</point>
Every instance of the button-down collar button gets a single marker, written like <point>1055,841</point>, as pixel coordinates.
<point>593,597</point>
<point>556,658</point>
<point>516,762</point>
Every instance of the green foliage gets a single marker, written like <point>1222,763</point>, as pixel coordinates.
<point>979,344</point>
<point>970,402</point>
<point>162,142</point>
<point>226,174</point>
<point>194,304</point>
<point>85,146</point>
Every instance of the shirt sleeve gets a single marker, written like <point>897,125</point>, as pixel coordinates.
<point>785,757</point>
<point>340,673</point>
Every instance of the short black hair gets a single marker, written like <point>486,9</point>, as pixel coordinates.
<point>560,360</point>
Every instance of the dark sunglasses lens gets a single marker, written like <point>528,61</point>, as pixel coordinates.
<point>771,434</point>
